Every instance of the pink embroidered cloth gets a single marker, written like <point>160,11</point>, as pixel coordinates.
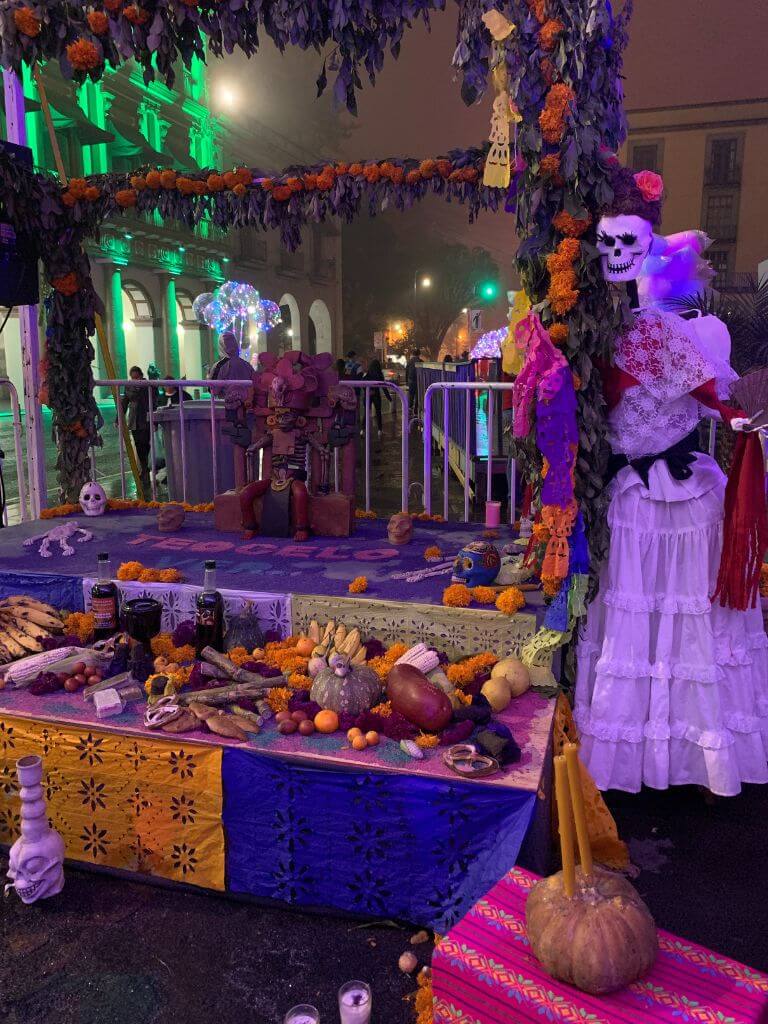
<point>483,972</point>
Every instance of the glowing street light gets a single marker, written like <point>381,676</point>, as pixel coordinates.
<point>227,96</point>
<point>425,282</point>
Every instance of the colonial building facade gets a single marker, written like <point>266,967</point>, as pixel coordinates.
<point>148,273</point>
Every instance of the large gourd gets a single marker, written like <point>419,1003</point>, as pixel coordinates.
<point>587,927</point>
<point>346,688</point>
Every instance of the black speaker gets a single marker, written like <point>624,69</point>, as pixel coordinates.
<point>18,254</point>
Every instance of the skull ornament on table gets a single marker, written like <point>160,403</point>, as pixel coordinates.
<point>93,499</point>
<point>624,242</point>
<point>400,529</point>
<point>476,565</point>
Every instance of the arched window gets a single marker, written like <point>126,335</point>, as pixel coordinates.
<point>139,305</point>
<point>184,303</point>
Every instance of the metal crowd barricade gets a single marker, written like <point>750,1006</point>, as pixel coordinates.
<point>445,388</point>
<point>219,386</point>
<point>21,478</point>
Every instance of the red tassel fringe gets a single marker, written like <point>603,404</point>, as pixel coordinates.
<point>745,530</point>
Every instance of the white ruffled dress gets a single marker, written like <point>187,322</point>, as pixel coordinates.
<point>671,689</point>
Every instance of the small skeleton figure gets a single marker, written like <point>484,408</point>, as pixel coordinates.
<point>60,535</point>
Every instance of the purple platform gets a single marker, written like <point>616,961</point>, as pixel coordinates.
<point>318,566</point>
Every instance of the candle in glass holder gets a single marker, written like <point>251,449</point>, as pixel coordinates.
<point>304,1014</point>
<point>492,513</point>
<point>355,1003</point>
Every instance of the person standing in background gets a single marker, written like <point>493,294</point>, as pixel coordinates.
<point>412,380</point>
<point>375,372</point>
<point>136,401</point>
<point>353,366</point>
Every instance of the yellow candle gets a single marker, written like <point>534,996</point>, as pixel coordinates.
<point>566,825</point>
<point>579,814</point>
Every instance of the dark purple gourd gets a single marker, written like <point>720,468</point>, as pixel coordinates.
<point>244,629</point>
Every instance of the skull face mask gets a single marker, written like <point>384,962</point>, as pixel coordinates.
<point>624,241</point>
<point>92,499</point>
<point>35,867</point>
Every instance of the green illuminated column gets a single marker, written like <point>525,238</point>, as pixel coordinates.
<point>170,326</point>
<point>117,332</point>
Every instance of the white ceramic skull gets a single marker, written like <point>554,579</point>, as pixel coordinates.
<point>92,499</point>
<point>624,242</point>
<point>35,867</point>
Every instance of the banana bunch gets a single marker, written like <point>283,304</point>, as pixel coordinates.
<point>24,622</point>
<point>336,640</point>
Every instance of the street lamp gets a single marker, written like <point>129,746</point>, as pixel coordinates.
<point>426,282</point>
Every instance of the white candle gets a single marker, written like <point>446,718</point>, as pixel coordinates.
<point>304,1014</point>
<point>355,1003</point>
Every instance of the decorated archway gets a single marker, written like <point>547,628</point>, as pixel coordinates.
<point>288,332</point>
<point>559,65</point>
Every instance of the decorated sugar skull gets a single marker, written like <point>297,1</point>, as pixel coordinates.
<point>625,230</point>
<point>476,565</point>
<point>35,867</point>
<point>624,242</point>
<point>93,500</point>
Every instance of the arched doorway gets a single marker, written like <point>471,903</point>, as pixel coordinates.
<point>190,338</point>
<point>320,319</point>
<point>139,327</point>
<point>287,335</point>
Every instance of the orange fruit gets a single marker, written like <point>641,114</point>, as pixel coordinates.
<point>354,732</point>
<point>326,721</point>
<point>359,743</point>
<point>372,738</point>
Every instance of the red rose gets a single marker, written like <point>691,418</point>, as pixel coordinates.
<point>651,185</point>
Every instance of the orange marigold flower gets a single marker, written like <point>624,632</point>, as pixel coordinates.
<point>230,179</point>
<point>170,576</point>
<point>371,173</point>
<point>572,227</point>
<point>444,167</point>
<point>433,553</point>
<point>483,595</point>
<point>27,22</point>
<point>135,14</point>
<point>540,533</point>
<point>398,176</point>
<point>384,709</point>
<point>183,184</point>
<point>281,193</point>
<point>355,169</point>
<point>239,190</point>
<point>387,169</point>
<point>552,117</point>
<point>341,168</point>
<point>129,570</point>
<point>168,178</point>
<point>98,22</point>
<point>199,187</point>
<point>138,182</point>
<point>81,624</point>
<point>154,179</point>
<point>83,55</point>
<point>215,182</point>
<point>359,585</point>
<point>69,199</point>
<point>412,177</point>
<point>539,9</point>
<point>325,182</point>
<point>300,681</point>
<point>550,164</point>
<point>126,197</point>
<point>278,698</point>
<point>427,740</point>
<point>77,186</point>
<point>510,601</point>
<point>67,284</point>
<point>457,596</point>
<point>549,33</point>
<point>558,333</point>
<point>310,182</point>
<point>428,168</point>
<point>551,585</point>
<point>294,184</point>
<point>239,655</point>
<point>92,194</point>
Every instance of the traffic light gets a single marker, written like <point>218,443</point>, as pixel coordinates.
<point>489,290</point>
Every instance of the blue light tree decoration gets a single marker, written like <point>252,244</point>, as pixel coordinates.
<point>234,306</point>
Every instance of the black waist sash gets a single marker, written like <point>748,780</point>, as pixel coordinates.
<point>679,458</point>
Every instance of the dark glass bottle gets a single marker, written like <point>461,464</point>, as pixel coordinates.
<point>104,600</point>
<point>209,614</point>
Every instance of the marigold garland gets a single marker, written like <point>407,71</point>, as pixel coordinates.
<point>67,284</point>
<point>122,505</point>
<point>27,22</point>
<point>510,600</point>
<point>552,118</point>
<point>81,625</point>
<point>483,595</point>
<point>558,333</point>
<point>83,55</point>
<point>563,293</point>
<point>549,33</point>
<point>129,571</point>
<point>457,596</point>
<point>570,226</point>
<point>359,585</point>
